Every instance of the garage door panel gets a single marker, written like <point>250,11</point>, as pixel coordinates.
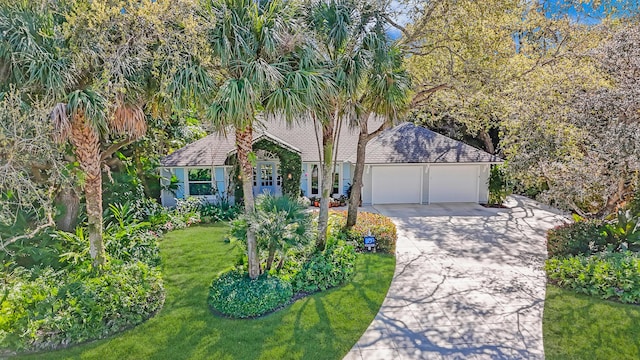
<point>396,184</point>
<point>455,183</point>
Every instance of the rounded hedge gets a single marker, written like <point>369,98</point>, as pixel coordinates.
<point>235,295</point>
<point>332,267</point>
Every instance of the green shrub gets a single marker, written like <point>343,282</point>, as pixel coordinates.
<point>624,232</point>
<point>223,211</point>
<point>50,309</point>
<point>499,187</point>
<point>323,270</point>
<point>235,295</point>
<point>614,276</point>
<point>581,237</point>
<point>136,246</point>
<point>377,225</point>
<point>280,223</point>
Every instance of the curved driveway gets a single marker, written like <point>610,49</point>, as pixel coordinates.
<point>469,284</point>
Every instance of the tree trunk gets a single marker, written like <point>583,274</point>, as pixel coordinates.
<point>326,185</point>
<point>272,255</point>
<point>356,187</point>
<point>87,149</point>
<point>487,141</point>
<point>70,202</point>
<point>244,138</point>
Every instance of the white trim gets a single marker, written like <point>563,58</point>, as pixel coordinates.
<point>421,184</point>
<point>478,184</point>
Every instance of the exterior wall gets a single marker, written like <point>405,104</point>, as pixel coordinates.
<point>219,180</point>
<point>343,180</point>
<point>366,185</point>
<point>347,179</point>
<point>425,184</point>
<point>304,179</point>
<point>483,181</point>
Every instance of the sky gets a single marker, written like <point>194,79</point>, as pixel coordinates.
<point>585,13</point>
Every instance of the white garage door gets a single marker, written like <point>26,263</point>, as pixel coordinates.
<point>396,184</point>
<point>453,183</point>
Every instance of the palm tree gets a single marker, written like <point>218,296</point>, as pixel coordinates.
<point>83,121</point>
<point>98,66</point>
<point>351,38</point>
<point>385,94</point>
<point>266,69</point>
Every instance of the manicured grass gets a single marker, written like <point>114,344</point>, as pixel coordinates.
<point>322,326</point>
<point>582,327</point>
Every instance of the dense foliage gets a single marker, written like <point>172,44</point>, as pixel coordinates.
<point>377,225</point>
<point>326,269</point>
<point>47,309</point>
<point>597,258</point>
<point>280,224</point>
<point>607,275</point>
<point>581,237</point>
<point>62,301</point>
<point>234,294</point>
<point>283,230</point>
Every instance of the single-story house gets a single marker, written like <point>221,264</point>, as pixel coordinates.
<point>404,164</point>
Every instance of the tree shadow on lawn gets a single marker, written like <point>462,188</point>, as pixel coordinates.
<point>322,326</point>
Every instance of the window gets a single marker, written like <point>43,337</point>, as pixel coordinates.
<point>200,182</point>
<point>336,184</point>
<point>314,180</point>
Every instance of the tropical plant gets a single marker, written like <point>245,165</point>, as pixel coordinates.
<point>267,67</point>
<point>280,223</point>
<point>624,231</point>
<point>99,66</point>
<point>367,70</point>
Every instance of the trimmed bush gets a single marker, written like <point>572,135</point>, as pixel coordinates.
<point>235,295</point>
<point>377,225</point>
<point>581,237</point>
<point>51,309</point>
<point>614,276</point>
<point>326,269</point>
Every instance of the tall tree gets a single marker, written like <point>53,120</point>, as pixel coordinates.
<point>267,68</point>
<point>98,65</point>
<point>384,94</point>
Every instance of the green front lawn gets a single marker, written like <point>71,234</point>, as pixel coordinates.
<point>322,326</point>
<point>582,327</point>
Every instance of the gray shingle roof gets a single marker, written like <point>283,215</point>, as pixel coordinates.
<point>408,143</point>
<point>405,143</point>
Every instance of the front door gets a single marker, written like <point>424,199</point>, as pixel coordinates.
<point>265,178</point>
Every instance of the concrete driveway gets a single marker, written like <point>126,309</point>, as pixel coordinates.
<point>469,284</point>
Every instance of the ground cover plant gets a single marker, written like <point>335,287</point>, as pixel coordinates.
<point>61,300</point>
<point>289,263</point>
<point>599,261</point>
<point>597,258</point>
<point>321,326</point>
<point>377,225</point>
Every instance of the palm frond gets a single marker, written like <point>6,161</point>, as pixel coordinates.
<point>129,120</point>
<point>61,123</point>
<point>92,106</point>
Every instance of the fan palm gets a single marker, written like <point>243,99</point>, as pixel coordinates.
<point>98,65</point>
<point>266,69</point>
<point>351,36</point>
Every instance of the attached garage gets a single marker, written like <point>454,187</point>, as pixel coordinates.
<point>396,184</point>
<point>453,183</point>
<point>410,164</point>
